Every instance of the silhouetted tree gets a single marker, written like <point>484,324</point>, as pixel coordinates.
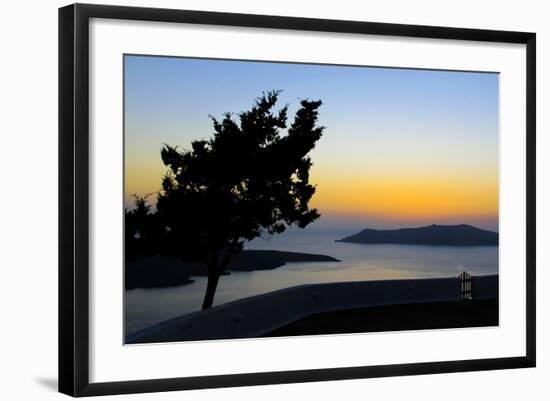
<point>143,230</point>
<point>248,179</point>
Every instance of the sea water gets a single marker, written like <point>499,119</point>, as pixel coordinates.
<point>145,307</point>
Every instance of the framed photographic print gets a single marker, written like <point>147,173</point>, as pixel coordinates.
<point>305,199</point>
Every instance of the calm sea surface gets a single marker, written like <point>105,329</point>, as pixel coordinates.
<point>144,307</point>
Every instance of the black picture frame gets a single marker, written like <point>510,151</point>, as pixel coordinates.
<point>74,198</point>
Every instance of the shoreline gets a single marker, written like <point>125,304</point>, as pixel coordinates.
<point>161,272</point>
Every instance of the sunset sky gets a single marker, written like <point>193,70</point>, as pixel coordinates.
<point>401,147</point>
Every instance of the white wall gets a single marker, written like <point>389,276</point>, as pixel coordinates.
<point>28,208</point>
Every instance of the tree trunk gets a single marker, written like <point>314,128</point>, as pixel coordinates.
<point>214,272</point>
<point>212,283</point>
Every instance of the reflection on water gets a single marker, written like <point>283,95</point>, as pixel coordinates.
<point>144,307</point>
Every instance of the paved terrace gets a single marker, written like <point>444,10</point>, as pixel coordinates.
<point>261,314</point>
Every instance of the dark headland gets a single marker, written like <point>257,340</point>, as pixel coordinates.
<point>158,271</point>
<point>458,235</point>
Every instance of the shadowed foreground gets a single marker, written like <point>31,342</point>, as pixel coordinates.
<point>432,315</point>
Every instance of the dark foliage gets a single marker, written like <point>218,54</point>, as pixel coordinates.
<point>143,230</point>
<point>247,180</point>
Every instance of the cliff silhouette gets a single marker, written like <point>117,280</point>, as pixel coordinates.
<point>459,235</point>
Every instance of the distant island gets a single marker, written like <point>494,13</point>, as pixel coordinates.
<point>459,235</point>
<point>158,271</point>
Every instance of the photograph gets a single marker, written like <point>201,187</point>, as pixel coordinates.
<point>269,199</point>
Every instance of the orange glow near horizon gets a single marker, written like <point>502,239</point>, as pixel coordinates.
<point>142,178</point>
<point>407,198</point>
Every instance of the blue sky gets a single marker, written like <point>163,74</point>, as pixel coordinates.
<point>408,128</point>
